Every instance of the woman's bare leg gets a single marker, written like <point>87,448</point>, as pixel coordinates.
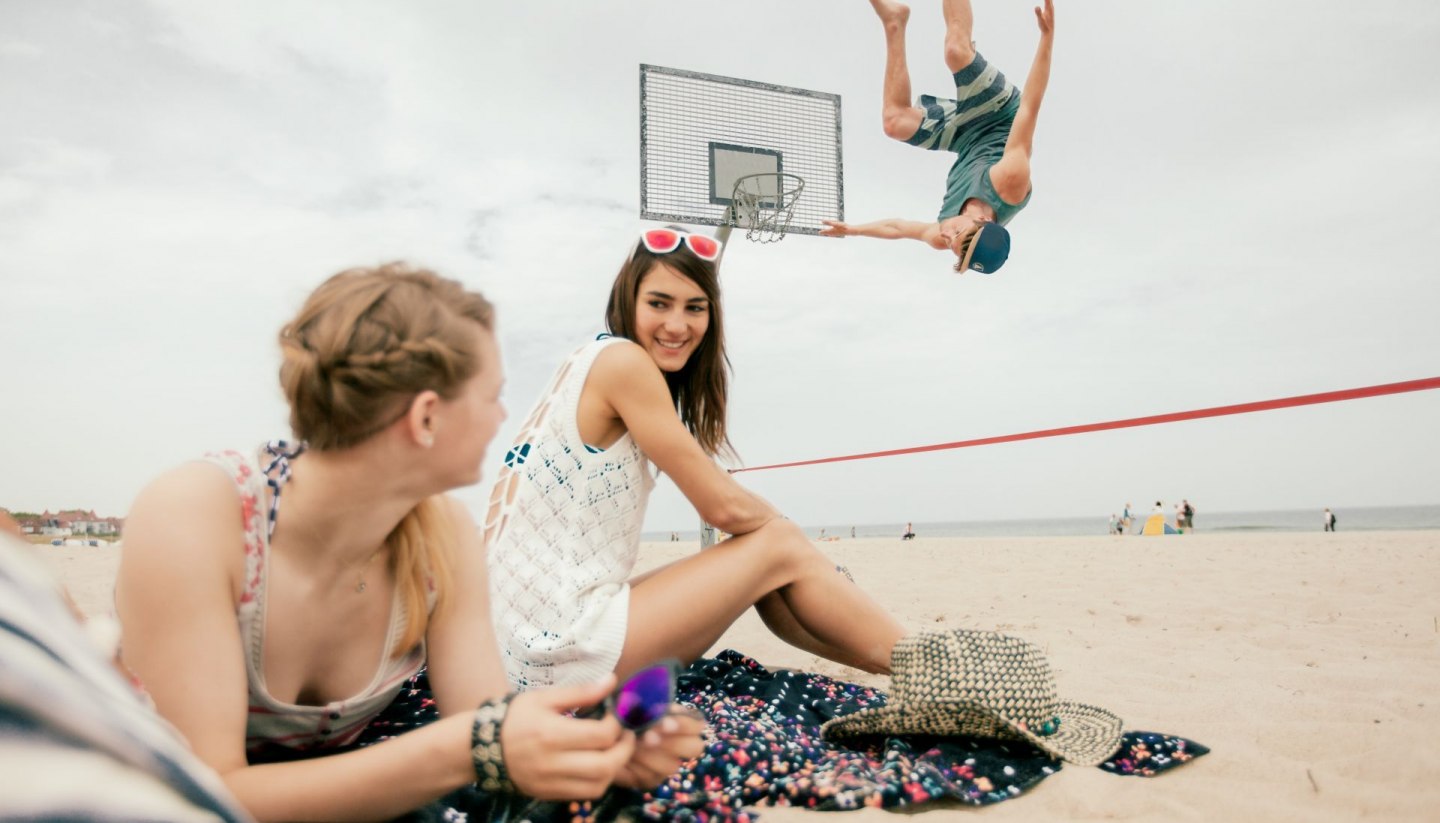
<point>683,608</point>
<point>900,119</point>
<point>780,619</point>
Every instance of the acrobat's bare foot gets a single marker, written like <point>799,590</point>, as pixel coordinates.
<point>892,13</point>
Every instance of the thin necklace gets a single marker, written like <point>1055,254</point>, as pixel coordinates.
<point>360,586</point>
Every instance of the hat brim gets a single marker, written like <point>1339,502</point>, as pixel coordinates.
<point>1087,735</point>
<point>991,244</point>
<point>887,719</point>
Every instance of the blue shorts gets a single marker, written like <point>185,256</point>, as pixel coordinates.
<point>984,101</point>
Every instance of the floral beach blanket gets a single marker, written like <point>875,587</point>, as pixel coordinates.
<point>765,749</point>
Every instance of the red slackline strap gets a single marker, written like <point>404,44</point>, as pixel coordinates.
<point>1215,411</point>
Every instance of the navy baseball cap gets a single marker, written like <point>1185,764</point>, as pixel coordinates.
<point>989,248</point>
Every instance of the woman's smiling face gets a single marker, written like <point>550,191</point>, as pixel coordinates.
<point>672,315</point>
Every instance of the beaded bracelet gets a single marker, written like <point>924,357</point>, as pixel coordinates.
<point>485,751</point>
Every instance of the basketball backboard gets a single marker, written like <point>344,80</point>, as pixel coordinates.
<point>699,133</point>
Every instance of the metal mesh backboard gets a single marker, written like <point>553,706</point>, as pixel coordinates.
<point>700,132</point>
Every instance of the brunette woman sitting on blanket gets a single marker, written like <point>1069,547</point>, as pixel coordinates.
<point>257,627</point>
<point>564,522</point>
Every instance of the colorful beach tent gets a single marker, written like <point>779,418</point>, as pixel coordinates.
<point>1155,524</point>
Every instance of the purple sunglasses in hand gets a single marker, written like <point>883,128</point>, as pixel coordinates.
<point>644,699</point>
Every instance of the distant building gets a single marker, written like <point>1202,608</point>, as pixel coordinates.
<point>70,522</point>
<point>87,522</point>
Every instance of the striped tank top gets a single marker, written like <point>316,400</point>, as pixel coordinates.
<point>259,477</point>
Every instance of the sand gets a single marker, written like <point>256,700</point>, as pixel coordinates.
<point>1309,663</point>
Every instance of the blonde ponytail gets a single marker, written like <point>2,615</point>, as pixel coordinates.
<point>421,549</point>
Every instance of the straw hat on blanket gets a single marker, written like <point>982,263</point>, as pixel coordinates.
<point>983,684</point>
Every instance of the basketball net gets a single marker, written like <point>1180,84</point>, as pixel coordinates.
<point>764,204</point>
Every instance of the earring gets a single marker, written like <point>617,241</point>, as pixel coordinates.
<point>427,441</point>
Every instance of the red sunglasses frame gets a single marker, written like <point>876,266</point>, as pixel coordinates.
<point>674,237</point>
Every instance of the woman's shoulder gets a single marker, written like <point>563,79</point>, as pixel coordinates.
<point>604,343</point>
<point>209,493</point>
<point>582,360</point>
<point>611,347</point>
<point>193,504</point>
<point>624,361</point>
<point>211,478</point>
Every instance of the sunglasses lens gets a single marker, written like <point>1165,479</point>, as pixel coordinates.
<point>705,248</point>
<point>645,697</point>
<point>662,241</point>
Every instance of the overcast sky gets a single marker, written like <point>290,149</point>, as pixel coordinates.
<point>1234,201</point>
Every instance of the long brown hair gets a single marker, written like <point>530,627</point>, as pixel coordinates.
<point>701,387</point>
<point>363,345</point>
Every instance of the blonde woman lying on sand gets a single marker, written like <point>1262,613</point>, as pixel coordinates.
<point>563,528</point>
<point>278,633</point>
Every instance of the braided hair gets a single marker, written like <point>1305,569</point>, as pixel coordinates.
<point>367,341</point>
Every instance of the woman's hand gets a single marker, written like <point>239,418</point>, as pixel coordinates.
<point>661,749</point>
<point>835,228</point>
<point>552,756</point>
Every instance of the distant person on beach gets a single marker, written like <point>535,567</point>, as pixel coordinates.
<point>257,627</point>
<point>573,492</point>
<point>1329,520</point>
<point>1189,512</point>
<point>1114,524</point>
<point>989,126</point>
<point>1125,517</point>
<point>909,533</point>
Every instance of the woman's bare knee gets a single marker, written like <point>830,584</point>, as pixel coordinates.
<point>781,530</point>
<point>783,545</point>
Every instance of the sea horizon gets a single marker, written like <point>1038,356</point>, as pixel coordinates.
<point>1359,518</point>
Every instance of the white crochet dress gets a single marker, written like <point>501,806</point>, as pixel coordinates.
<point>563,532</point>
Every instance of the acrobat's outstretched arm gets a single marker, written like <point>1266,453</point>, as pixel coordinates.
<point>892,228</point>
<point>1011,175</point>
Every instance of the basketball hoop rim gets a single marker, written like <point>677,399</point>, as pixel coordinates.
<point>782,175</point>
<point>787,193</point>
